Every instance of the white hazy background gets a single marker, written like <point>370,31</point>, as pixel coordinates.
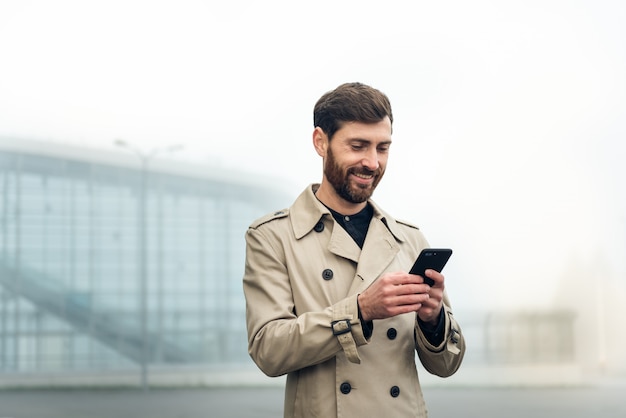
<point>510,119</point>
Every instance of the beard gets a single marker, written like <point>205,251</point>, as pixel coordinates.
<point>345,188</point>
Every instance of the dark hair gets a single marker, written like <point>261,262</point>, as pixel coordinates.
<point>350,102</point>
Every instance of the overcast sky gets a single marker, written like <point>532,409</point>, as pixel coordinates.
<point>510,115</point>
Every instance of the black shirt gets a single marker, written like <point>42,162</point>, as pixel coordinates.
<point>356,225</point>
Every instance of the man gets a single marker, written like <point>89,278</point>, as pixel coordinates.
<point>329,300</point>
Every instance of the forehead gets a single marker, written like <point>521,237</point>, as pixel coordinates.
<point>371,132</point>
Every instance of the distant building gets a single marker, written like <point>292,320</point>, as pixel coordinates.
<point>76,294</point>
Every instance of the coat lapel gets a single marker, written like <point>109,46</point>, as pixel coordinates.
<point>378,252</point>
<point>342,244</point>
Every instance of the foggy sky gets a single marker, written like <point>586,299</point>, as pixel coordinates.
<point>509,116</point>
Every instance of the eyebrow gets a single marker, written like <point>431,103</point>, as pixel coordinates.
<point>368,141</point>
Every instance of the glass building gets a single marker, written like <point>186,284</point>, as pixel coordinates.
<point>113,262</point>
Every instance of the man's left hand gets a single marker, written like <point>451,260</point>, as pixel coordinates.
<point>431,308</point>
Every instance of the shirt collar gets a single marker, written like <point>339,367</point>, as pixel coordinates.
<point>307,211</point>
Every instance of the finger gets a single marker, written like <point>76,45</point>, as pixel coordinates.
<point>436,276</point>
<point>412,289</point>
<point>416,278</point>
<point>411,299</point>
<point>411,279</point>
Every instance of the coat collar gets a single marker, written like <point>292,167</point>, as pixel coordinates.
<point>307,211</point>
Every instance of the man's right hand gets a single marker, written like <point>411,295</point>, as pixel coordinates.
<point>393,294</point>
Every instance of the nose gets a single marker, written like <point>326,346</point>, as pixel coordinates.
<point>370,159</point>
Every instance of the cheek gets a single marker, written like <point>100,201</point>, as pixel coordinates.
<point>382,161</point>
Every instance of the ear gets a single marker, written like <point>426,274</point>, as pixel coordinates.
<point>320,141</point>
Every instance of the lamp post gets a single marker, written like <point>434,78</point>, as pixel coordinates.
<point>144,158</point>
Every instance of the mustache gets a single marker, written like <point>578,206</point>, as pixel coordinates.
<point>364,171</point>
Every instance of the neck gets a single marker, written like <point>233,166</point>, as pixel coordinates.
<point>329,197</point>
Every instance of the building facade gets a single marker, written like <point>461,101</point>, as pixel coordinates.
<point>110,264</point>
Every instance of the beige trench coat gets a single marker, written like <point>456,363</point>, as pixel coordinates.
<point>302,276</point>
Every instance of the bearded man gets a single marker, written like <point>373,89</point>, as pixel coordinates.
<point>329,301</point>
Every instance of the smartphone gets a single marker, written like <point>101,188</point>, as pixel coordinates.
<point>430,258</point>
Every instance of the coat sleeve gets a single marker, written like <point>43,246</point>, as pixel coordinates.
<point>279,340</point>
<point>445,359</point>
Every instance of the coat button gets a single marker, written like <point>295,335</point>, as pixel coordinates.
<point>394,391</point>
<point>454,336</point>
<point>345,388</point>
<point>319,227</point>
<point>392,333</point>
<point>327,274</point>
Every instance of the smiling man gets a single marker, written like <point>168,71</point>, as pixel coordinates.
<point>329,300</point>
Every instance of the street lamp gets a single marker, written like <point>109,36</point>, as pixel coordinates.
<point>144,158</point>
